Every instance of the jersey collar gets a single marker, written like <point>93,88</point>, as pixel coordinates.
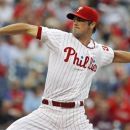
<point>91,45</point>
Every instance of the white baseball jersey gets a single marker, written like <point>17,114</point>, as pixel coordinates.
<point>72,65</point>
<point>71,69</point>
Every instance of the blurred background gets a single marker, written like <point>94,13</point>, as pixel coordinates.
<point>23,60</point>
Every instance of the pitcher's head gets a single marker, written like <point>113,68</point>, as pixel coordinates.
<point>85,20</point>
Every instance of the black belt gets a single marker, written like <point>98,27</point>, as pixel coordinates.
<point>62,104</point>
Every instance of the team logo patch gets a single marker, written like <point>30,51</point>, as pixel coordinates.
<point>79,9</point>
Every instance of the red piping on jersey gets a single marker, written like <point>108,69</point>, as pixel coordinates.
<point>39,32</point>
<point>93,44</point>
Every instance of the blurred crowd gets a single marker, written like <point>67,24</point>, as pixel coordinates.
<point>23,60</point>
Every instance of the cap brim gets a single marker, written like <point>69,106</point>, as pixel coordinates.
<point>72,15</point>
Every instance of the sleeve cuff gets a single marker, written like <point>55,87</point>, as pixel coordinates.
<point>39,32</point>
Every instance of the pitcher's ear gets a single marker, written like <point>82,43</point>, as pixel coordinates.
<point>93,25</point>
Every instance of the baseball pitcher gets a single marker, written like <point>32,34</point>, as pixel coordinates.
<point>73,61</point>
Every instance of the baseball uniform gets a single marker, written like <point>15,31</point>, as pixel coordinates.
<point>71,69</point>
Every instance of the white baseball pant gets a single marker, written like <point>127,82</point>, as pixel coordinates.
<point>53,118</point>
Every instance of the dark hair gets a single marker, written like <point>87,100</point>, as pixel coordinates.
<point>94,29</point>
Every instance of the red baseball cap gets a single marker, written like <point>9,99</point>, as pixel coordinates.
<point>86,13</point>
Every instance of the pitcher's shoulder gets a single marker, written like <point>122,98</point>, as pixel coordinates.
<point>97,44</point>
<point>100,46</point>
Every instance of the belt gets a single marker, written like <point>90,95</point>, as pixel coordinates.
<point>62,104</point>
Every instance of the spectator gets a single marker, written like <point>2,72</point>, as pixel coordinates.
<point>120,107</point>
<point>16,98</point>
<point>103,120</point>
<point>5,17</point>
<point>33,95</point>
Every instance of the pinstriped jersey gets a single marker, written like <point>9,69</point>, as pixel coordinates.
<point>72,65</point>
